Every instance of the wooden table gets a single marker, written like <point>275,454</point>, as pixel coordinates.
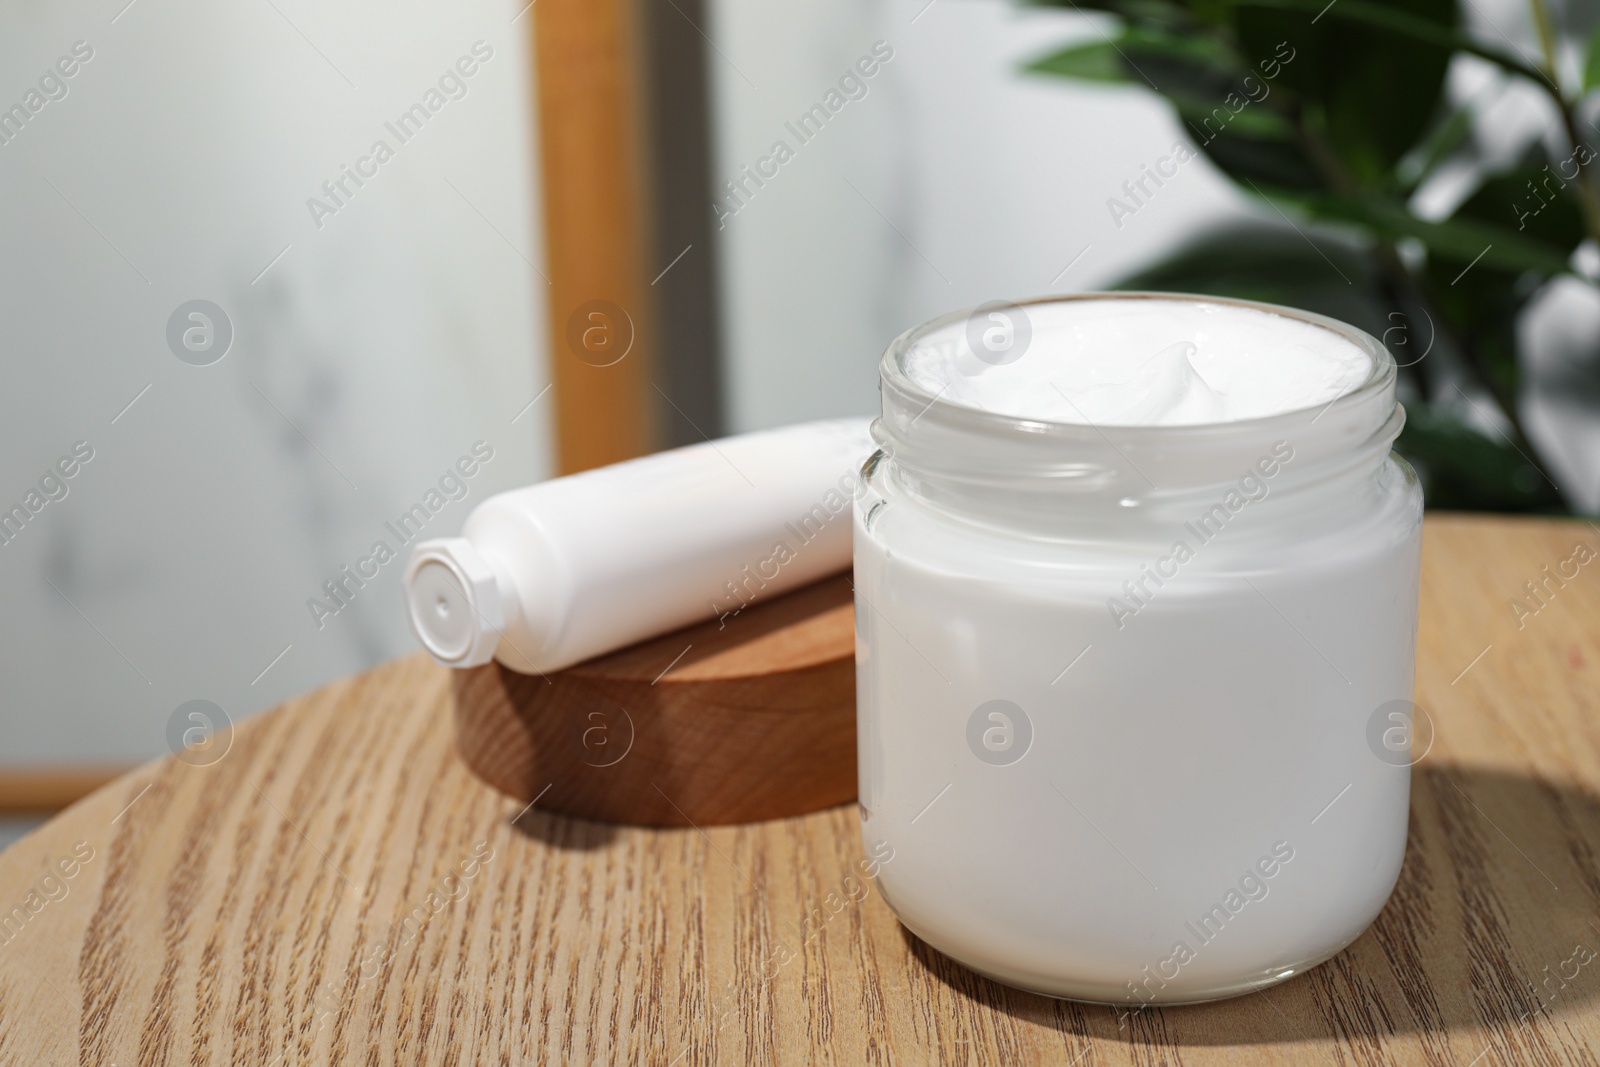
<point>225,914</point>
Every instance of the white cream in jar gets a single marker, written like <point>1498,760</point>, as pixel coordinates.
<point>1136,575</point>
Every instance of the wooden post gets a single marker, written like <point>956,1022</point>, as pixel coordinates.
<point>601,320</point>
<point>37,789</point>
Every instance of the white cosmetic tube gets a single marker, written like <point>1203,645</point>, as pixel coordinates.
<point>575,567</point>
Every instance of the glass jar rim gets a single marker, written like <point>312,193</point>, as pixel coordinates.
<point>893,374</point>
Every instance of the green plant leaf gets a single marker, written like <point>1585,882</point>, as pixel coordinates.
<point>1369,89</point>
<point>1209,119</point>
<point>1463,469</point>
<point>1349,123</point>
<point>1171,62</point>
<point>1156,13</point>
<point>1395,19</point>
<point>1263,161</point>
<point>1273,264</point>
<point>1536,197</point>
<point>1205,50</point>
<point>1449,134</point>
<point>1591,69</point>
<point>1228,111</point>
<point>1462,239</point>
<point>1095,61</point>
<point>1481,302</point>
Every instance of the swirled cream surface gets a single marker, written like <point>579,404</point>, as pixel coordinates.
<point>1136,362</point>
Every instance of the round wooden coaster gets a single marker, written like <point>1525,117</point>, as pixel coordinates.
<point>748,718</point>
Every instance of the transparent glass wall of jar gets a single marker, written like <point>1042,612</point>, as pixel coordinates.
<point>1118,686</point>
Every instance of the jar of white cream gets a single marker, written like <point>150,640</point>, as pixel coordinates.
<point>1136,575</point>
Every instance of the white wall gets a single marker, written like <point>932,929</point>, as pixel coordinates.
<point>369,357</point>
<point>973,181</point>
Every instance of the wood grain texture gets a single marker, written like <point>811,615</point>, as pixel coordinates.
<point>741,719</point>
<point>586,55</point>
<point>227,914</point>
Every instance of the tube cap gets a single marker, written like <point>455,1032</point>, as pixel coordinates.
<point>453,599</point>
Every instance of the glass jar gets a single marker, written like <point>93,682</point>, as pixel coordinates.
<point>1117,685</point>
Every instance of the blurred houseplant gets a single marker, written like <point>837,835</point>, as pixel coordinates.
<point>1336,114</point>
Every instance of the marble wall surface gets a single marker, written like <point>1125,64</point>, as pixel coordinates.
<point>380,326</point>
<point>947,178</point>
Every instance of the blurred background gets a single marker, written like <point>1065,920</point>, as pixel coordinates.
<point>271,269</point>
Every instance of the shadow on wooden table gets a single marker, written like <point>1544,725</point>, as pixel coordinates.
<point>1492,925</point>
<point>565,832</point>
